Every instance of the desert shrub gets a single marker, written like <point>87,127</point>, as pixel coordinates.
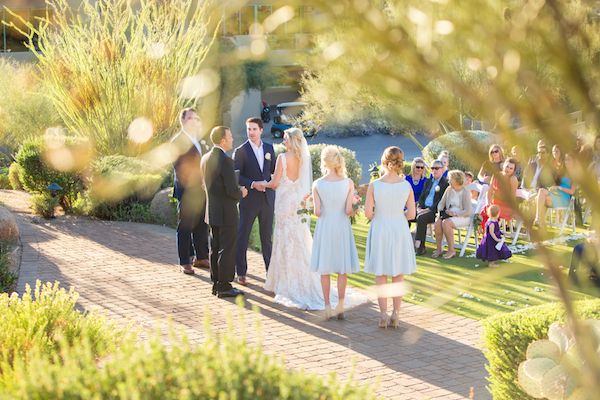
<point>508,335</point>
<point>36,173</point>
<point>122,189</point>
<point>119,56</point>
<point>460,146</point>
<point>227,368</point>
<point>44,204</point>
<point>25,110</point>
<point>14,172</point>
<point>45,321</point>
<point>352,165</point>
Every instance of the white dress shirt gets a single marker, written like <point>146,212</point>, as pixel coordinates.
<point>259,153</point>
<point>194,141</point>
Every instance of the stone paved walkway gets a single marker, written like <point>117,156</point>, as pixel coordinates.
<point>128,271</point>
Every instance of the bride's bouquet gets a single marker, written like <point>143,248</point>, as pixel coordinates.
<point>306,209</point>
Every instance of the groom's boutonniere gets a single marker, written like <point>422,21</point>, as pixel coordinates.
<point>437,188</point>
<point>268,156</point>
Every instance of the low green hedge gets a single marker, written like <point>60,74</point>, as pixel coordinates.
<point>58,353</point>
<point>508,335</point>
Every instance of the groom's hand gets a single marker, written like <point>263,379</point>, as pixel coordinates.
<point>259,185</point>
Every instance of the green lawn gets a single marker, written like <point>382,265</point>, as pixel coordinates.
<point>466,286</point>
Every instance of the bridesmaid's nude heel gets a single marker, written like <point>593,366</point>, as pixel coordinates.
<point>339,310</point>
<point>327,314</point>
<point>395,320</point>
<point>384,321</point>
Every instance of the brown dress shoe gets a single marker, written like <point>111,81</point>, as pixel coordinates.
<point>242,280</point>
<point>187,269</point>
<point>202,264</point>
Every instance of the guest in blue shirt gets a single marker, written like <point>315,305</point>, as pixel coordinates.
<point>428,201</point>
<point>417,177</point>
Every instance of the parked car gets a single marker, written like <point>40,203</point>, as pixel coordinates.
<point>286,116</point>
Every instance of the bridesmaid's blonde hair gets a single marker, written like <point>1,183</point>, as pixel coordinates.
<point>393,160</point>
<point>332,160</point>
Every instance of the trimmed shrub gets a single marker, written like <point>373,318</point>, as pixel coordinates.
<point>43,204</point>
<point>467,149</point>
<point>352,165</point>
<point>14,172</point>
<point>44,322</point>
<point>508,335</point>
<point>122,189</point>
<point>36,173</point>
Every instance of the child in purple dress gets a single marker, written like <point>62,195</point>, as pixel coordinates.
<point>492,247</point>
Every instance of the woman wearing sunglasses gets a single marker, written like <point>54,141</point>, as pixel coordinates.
<point>493,165</point>
<point>417,176</point>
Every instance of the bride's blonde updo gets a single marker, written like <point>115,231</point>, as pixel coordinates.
<point>332,160</point>
<point>294,137</point>
<point>393,160</point>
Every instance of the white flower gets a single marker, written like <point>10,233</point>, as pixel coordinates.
<point>268,156</point>
<point>203,142</point>
<point>437,188</point>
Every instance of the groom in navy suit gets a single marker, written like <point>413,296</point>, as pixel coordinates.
<point>255,160</point>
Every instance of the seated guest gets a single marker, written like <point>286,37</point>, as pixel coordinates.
<point>557,196</point>
<point>444,157</point>
<point>417,177</point>
<point>471,186</point>
<point>455,211</point>
<point>538,172</point>
<point>515,152</point>
<point>557,162</point>
<point>431,195</point>
<point>491,166</point>
<point>503,191</point>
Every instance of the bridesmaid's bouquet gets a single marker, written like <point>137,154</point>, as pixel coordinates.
<point>306,209</point>
<point>357,207</point>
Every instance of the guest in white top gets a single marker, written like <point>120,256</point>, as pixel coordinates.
<point>455,210</point>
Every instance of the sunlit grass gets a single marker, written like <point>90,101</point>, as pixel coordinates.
<point>449,284</point>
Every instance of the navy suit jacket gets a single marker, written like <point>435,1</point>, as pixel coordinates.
<point>187,173</point>
<point>245,161</point>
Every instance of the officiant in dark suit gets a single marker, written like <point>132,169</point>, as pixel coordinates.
<point>223,194</point>
<point>192,231</point>
<point>255,160</point>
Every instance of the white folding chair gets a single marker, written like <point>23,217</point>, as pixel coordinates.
<point>567,212</point>
<point>478,206</point>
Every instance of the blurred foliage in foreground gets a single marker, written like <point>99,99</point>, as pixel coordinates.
<point>50,350</point>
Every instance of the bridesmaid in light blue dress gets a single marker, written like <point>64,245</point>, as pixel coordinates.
<point>390,251</point>
<point>334,250</point>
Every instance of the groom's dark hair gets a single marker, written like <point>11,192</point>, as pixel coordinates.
<point>255,120</point>
<point>218,133</point>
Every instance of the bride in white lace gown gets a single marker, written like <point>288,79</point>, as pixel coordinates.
<point>290,276</point>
